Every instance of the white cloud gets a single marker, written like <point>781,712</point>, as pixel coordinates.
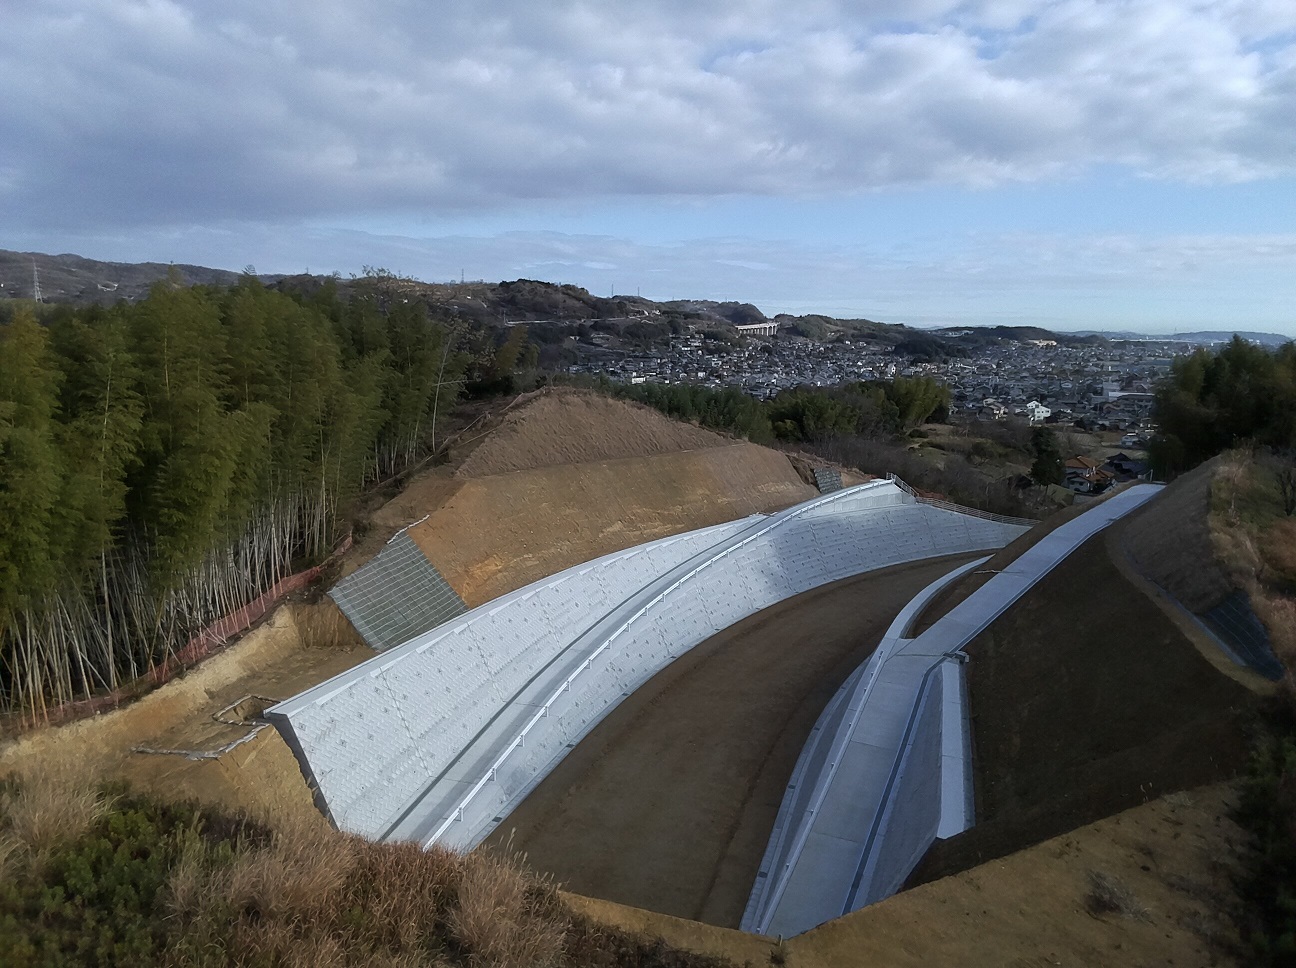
<point>166,112</point>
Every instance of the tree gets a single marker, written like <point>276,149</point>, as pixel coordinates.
<point>1047,467</point>
<point>1284,471</point>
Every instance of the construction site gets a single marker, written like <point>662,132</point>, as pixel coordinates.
<point>745,702</point>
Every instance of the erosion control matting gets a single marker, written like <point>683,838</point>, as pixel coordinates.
<point>669,803</point>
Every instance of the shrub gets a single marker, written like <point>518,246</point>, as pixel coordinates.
<point>497,917</point>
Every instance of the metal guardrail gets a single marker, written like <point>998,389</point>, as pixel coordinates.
<point>961,509</point>
<point>457,814</point>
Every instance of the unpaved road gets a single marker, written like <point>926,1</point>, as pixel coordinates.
<point>668,804</point>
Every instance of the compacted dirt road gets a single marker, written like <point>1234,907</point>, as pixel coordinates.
<point>668,804</point>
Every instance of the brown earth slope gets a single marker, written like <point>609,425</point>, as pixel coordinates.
<point>1170,543</point>
<point>495,534</point>
<point>574,427</point>
<point>1087,698</point>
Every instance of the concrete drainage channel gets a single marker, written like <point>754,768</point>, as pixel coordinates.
<point>887,769</point>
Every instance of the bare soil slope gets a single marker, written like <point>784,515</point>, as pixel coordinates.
<point>669,803</point>
<point>495,534</point>
<point>1087,699</point>
<point>1170,542</point>
<point>574,427</point>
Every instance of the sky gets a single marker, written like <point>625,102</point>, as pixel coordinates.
<point>1076,164</point>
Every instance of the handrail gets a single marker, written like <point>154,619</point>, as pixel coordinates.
<point>961,509</point>
<point>977,512</point>
<point>518,741</point>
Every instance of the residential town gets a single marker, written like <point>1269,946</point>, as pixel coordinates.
<point>1100,385</point>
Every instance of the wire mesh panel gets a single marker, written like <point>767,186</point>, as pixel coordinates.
<point>1237,624</point>
<point>396,596</point>
<point>827,479</point>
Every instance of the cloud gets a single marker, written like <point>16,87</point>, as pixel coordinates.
<point>162,112</point>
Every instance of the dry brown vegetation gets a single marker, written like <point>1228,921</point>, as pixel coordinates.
<point>122,880</point>
<point>1108,895</point>
<point>44,806</point>
<point>1256,542</point>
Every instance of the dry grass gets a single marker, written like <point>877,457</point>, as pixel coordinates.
<point>300,876</point>
<point>408,887</point>
<point>9,850</point>
<point>1107,895</point>
<point>498,918</point>
<point>1278,550</point>
<point>317,898</point>
<point>52,805</point>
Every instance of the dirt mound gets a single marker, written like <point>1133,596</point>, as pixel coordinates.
<point>572,427</point>
<point>495,534</point>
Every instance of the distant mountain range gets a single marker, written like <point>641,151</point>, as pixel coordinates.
<point>73,279</point>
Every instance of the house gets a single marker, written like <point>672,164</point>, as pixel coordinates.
<point>1036,412</point>
<point>1084,475</point>
<point>1123,468</point>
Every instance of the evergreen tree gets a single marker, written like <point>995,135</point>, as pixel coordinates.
<point>1047,467</point>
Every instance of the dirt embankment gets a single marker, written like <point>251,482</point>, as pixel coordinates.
<point>495,534</point>
<point>574,427</point>
<point>1087,699</point>
<point>1170,542</point>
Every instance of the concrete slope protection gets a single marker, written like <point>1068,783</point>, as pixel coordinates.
<point>438,739</point>
<point>886,770</point>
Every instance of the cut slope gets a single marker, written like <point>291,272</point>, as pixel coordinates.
<point>573,427</point>
<point>1087,699</point>
<point>1170,542</point>
<point>495,534</point>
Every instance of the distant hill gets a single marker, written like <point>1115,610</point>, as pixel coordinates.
<point>72,279</point>
<point>1223,336</point>
<point>1203,337</point>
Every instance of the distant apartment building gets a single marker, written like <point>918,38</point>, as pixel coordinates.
<point>1036,412</point>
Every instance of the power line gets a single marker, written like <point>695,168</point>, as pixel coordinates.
<point>36,290</point>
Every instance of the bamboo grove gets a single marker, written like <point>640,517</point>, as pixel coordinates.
<point>164,463</point>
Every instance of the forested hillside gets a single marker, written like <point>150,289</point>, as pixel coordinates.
<point>165,462</point>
